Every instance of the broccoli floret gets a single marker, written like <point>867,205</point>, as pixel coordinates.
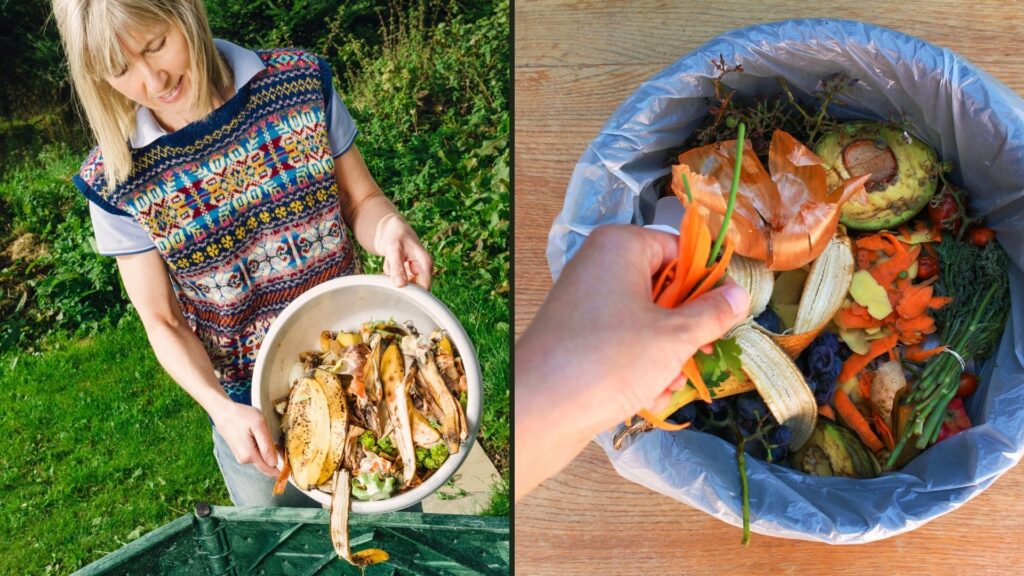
<point>370,486</point>
<point>463,399</point>
<point>432,458</point>
<point>368,440</point>
<point>383,445</point>
<point>387,445</point>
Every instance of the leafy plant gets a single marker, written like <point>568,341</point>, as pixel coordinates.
<point>61,286</point>
<point>32,81</point>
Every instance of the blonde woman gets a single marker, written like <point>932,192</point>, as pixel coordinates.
<point>226,182</point>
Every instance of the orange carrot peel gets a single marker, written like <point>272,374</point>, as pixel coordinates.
<point>282,478</point>
<point>856,421</point>
<point>884,431</point>
<point>917,354</point>
<point>691,278</point>
<point>659,423</point>
<point>696,269</point>
<point>826,411</point>
<point>857,362</point>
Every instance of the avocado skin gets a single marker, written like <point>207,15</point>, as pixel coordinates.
<point>835,451</point>
<point>898,201</point>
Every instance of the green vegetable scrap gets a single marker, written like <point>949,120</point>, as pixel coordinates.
<point>369,486</point>
<point>387,446</point>
<point>432,458</point>
<point>368,440</point>
<point>724,361</point>
<point>967,271</point>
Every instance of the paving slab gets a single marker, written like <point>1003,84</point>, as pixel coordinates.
<point>471,490</point>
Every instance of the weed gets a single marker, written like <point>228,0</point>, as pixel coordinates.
<point>499,505</point>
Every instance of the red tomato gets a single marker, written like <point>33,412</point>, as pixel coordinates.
<point>980,236</point>
<point>944,212</point>
<point>968,384</point>
<point>927,266</point>
<point>956,420</point>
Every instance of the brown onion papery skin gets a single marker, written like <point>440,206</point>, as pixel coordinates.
<point>785,217</point>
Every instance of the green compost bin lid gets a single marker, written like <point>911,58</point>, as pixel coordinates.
<point>225,540</point>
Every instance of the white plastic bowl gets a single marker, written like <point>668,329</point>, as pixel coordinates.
<point>344,304</point>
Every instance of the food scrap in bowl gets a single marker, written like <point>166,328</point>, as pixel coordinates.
<point>371,414</point>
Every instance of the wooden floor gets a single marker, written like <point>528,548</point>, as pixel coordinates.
<point>575,62</point>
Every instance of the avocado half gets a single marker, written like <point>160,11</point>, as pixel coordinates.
<point>903,172</point>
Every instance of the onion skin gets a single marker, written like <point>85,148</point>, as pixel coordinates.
<point>785,217</point>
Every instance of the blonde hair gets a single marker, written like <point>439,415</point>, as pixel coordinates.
<point>89,31</point>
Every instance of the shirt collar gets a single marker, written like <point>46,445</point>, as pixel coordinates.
<point>244,65</point>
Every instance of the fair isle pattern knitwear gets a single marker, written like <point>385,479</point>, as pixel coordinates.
<point>243,208</point>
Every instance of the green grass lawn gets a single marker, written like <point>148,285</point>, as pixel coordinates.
<point>100,446</point>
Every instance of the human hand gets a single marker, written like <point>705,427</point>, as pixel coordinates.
<point>599,349</point>
<point>246,433</point>
<point>405,258</point>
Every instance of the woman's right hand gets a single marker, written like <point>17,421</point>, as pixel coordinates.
<point>246,433</point>
<point>183,357</point>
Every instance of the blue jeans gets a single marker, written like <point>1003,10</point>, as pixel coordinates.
<point>247,486</point>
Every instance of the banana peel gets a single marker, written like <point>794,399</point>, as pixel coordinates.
<point>453,423</point>
<point>396,383</point>
<point>338,411</point>
<point>778,380</point>
<point>824,291</point>
<point>448,365</point>
<point>368,401</point>
<point>339,525</point>
<point>423,434</point>
<point>756,278</point>
<point>308,418</point>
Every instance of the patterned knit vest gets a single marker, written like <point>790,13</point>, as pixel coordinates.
<point>243,208</point>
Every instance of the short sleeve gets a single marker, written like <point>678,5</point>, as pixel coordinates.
<point>118,235</point>
<point>341,128</point>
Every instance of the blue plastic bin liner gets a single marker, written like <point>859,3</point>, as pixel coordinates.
<point>968,117</point>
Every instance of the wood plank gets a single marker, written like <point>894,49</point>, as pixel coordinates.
<point>589,520</point>
<point>589,32</point>
<point>559,111</point>
<point>533,220</point>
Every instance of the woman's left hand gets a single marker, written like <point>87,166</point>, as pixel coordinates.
<point>405,259</point>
